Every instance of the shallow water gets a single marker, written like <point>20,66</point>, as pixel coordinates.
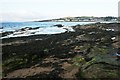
<point>44,28</point>
<point>11,26</point>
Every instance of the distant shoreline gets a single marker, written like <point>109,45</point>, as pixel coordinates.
<point>81,19</point>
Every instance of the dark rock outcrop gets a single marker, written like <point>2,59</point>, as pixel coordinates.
<point>59,25</point>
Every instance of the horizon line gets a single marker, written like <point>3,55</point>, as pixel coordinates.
<point>54,18</point>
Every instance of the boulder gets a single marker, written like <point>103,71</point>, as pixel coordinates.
<point>59,25</point>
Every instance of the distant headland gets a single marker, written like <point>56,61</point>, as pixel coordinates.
<point>81,19</point>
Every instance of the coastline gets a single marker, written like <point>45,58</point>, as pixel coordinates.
<point>65,55</point>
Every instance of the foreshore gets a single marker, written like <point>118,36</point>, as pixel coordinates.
<point>88,52</point>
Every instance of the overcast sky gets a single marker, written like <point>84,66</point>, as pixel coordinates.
<point>28,10</point>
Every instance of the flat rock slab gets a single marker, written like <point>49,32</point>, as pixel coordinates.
<point>22,73</point>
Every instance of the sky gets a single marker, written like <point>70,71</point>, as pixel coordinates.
<point>30,10</point>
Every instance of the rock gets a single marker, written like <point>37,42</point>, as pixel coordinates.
<point>116,44</point>
<point>101,66</point>
<point>35,28</point>
<point>59,25</point>
<point>26,28</point>
<point>101,71</point>
<point>6,33</point>
<point>87,59</point>
<point>1,27</point>
<point>118,53</point>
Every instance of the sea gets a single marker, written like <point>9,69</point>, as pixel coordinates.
<point>44,27</point>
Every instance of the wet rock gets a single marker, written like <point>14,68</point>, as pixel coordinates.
<point>118,54</point>
<point>6,33</point>
<point>26,28</point>
<point>101,71</point>
<point>59,25</point>
<point>35,28</point>
<point>1,27</point>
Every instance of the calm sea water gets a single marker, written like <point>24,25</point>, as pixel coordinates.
<point>11,26</point>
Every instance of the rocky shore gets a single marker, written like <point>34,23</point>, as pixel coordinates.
<point>88,52</point>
